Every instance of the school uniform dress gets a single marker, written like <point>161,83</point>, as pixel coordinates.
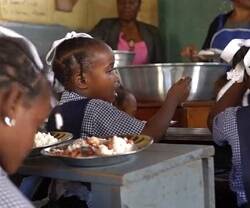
<point>85,117</point>
<point>226,131</point>
<point>93,117</point>
<point>10,196</point>
<point>243,124</point>
<point>220,34</point>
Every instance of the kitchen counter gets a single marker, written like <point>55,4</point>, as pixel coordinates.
<point>164,175</point>
<point>191,114</point>
<point>196,132</point>
<point>188,136</point>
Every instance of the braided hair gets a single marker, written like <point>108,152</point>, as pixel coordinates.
<point>17,65</point>
<point>73,55</point>
<point>239,56</point>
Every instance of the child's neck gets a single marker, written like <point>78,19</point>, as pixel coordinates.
<point>80,92</point>
<point>240,14</point>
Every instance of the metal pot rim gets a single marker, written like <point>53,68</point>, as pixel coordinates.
<point>174,64</point>
<point>123,52</point>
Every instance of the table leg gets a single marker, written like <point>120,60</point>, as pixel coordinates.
<point>208,178</point>
<point>105,196</point>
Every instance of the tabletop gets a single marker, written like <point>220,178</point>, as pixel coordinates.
<point>156,158</point>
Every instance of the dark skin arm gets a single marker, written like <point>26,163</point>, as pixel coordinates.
<point>231,98</point>
<point>158,124</point>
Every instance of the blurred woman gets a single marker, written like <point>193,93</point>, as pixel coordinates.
<point>24,104</point>
<point>127,34</point>
<point>225,27</point>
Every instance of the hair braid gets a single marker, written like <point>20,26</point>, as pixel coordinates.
<point>72,55</point>
<point>17,65</point>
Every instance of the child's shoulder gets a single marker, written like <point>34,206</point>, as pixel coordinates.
<point>99,104</point>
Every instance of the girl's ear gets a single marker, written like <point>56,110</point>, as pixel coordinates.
<point>11,101</point>
<point>80,81</point>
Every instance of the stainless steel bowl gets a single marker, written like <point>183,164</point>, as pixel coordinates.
<point>123,58</point>
<point>150,82</point>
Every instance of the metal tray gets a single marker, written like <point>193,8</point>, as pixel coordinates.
<point>60,135</point>
<point>141,141</point>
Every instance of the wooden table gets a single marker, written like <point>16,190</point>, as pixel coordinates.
<point>164,175</point>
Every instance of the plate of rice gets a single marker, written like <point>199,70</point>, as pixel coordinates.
<point>94,151</point>
<point>44,140</point>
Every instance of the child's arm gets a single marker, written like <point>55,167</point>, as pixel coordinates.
<point>158,124</point>
<point>231,98</point>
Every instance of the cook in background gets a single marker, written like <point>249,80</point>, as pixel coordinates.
<point>84,66</point>
<point>229,123</point>
<point>125,101</point>
<point>126,33</point>
<point>24,105</point>
<point>225,27</point>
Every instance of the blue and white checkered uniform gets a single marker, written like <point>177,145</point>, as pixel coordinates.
<point>10,196</point>
<point>225,131</point>
<point>103,119</point>
<point>100,119</point>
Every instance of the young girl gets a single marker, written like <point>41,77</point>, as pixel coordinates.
<point>24,105</point>
<point>84,66</point>
<point>229,123</point>
<point>125,101</point>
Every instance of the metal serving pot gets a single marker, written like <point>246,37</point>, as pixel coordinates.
<point>123,58</point>
<point>150,82</point>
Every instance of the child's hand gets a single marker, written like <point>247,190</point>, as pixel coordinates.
<point>180,90</point>
<point>190,52</point>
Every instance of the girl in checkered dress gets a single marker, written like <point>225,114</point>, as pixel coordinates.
<point>84,66</point>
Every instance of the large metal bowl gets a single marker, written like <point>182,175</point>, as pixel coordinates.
<point>150,82</point>
<point>123,58</point>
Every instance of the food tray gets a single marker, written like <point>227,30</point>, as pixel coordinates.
<point>60,135</point>
<point>141,141</point>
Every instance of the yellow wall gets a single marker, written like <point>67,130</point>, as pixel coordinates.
<point>84,16</point>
